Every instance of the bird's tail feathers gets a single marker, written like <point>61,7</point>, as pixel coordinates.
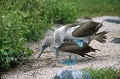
<point>91,49</point>
<point>87,50</point>
<point>101,37</point>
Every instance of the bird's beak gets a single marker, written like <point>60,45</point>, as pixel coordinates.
<point>42,50</point>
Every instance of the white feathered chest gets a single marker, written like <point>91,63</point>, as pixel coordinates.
<point>65,33</point>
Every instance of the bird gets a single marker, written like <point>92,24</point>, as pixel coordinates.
<point>71,46</point>
<point>81,35</point>
<point>84,32</point>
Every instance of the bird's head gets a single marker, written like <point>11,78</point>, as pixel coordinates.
<point>46,43</point>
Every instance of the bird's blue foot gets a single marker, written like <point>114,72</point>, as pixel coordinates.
<point>69,61</point>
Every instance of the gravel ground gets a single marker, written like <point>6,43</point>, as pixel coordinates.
<point>46,67</point>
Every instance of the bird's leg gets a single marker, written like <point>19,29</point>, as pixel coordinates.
<point>69,59</point>
<point>57,50</point>
<point>70,62</point>
<point>75,60</point>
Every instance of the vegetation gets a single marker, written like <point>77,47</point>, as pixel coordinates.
<point>98,7</point>
<point>27,20</point>
<point>103,73</point>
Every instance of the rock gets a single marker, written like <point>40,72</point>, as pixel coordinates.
<point>116,40</point>
<point>72,74</point>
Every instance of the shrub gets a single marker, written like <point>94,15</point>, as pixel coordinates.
<point>104,73</point>
<point>63,11</point>
<point>12,40</point>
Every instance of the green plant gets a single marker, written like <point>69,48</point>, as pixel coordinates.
<point>60,11</point>
<point>104,73</point>
<point>11,40</point>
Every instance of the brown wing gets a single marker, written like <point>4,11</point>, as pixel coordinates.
<point>86,29</point>
<point>71,47</point>
<point>74,48</point>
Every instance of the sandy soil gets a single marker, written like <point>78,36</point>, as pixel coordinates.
<point>46,67</point>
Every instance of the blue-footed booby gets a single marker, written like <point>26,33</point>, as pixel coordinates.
<point>71,46</point>
<point>84,32</point>
<point>81,35</point>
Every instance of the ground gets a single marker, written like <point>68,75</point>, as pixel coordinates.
<point>46,67</point>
